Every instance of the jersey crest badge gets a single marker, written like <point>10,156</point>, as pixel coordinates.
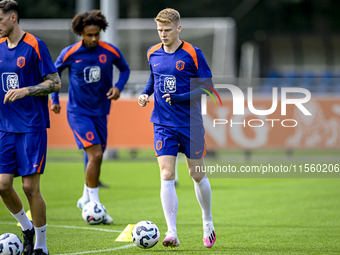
<point>102,58</point>
<point>180,65</point>
<point>21,62</point>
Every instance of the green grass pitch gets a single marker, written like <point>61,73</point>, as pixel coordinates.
<point>251,216</point>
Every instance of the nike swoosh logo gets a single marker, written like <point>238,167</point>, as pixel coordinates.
<point>78,61</point>
<point>155,64</point>
<point>35,165</point>
<point>198,152</point>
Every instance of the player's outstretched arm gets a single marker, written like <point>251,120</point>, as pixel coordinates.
<point>143,100</point>
<point>50,84</point>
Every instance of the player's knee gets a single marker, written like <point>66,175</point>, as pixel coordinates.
<point>96,157</point>
<point>4,188</point>
<point>197,179</point>
<point>29,190</point>
<point>196,176</point>
<point>167,175</point>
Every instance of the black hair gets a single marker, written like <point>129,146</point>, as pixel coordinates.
<point>94,17</point>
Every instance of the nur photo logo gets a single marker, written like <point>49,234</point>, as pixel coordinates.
<point>213,90</point>
<point>238,105</point>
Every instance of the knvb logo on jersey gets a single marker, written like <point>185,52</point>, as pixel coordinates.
<point>21,62</point>
<point>180,65</point>
<point>239,102</point>
<point>102,58</point>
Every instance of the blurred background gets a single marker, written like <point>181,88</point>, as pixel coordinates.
<point>254,38</point>
<point>250,43</point>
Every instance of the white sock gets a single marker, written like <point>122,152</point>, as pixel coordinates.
<point>21,217</point>
<point>85,193</point>
<point>93,194</point>
<point>203,194</point>
<point>40,238</point>
<point>169,203</point>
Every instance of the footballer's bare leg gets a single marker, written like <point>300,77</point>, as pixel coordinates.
<point>203,194</point>
<point>169,198</point>
<point>95,158</point>
<point>167,167</point>
<point>8,195</point>
<point>31,187</point>
<point>194,174</point>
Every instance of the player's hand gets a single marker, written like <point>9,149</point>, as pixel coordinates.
<point>55,108</point>
<point>143,100</point>
<point>113,94</point>
<point>15,94</point>
<point>168,98</point>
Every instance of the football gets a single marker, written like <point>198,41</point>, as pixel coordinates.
<point>10,244</point>
<point>93,213</point>
<point>145,234</point>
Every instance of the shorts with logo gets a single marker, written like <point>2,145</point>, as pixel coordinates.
<point>187,140</point>
<point>88,130</point>
<point>23,154</point>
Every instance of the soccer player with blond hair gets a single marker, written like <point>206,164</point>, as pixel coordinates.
<point>178,72</point>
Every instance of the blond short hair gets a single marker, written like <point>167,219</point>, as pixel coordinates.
<point>168,15</point>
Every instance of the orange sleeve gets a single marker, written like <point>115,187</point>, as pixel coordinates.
<point>31,40</point>
<point>191,50</point>
<point>109,48</point>
<point>153,49</point>
<point>72,50</point>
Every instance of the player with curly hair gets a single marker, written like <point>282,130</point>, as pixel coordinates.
<point>91,89</point>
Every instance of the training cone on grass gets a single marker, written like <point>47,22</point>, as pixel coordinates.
<point>29,216</point>
<point>126,236</point>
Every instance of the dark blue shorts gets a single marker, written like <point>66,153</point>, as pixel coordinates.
<point>23,154</point>
<point>187,140</point>
<point>87,130</point>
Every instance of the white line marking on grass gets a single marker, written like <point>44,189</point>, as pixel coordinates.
<point>87,228</point>
<point>112,249</point>
<point>8,223</point>
<point>72,227</point>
